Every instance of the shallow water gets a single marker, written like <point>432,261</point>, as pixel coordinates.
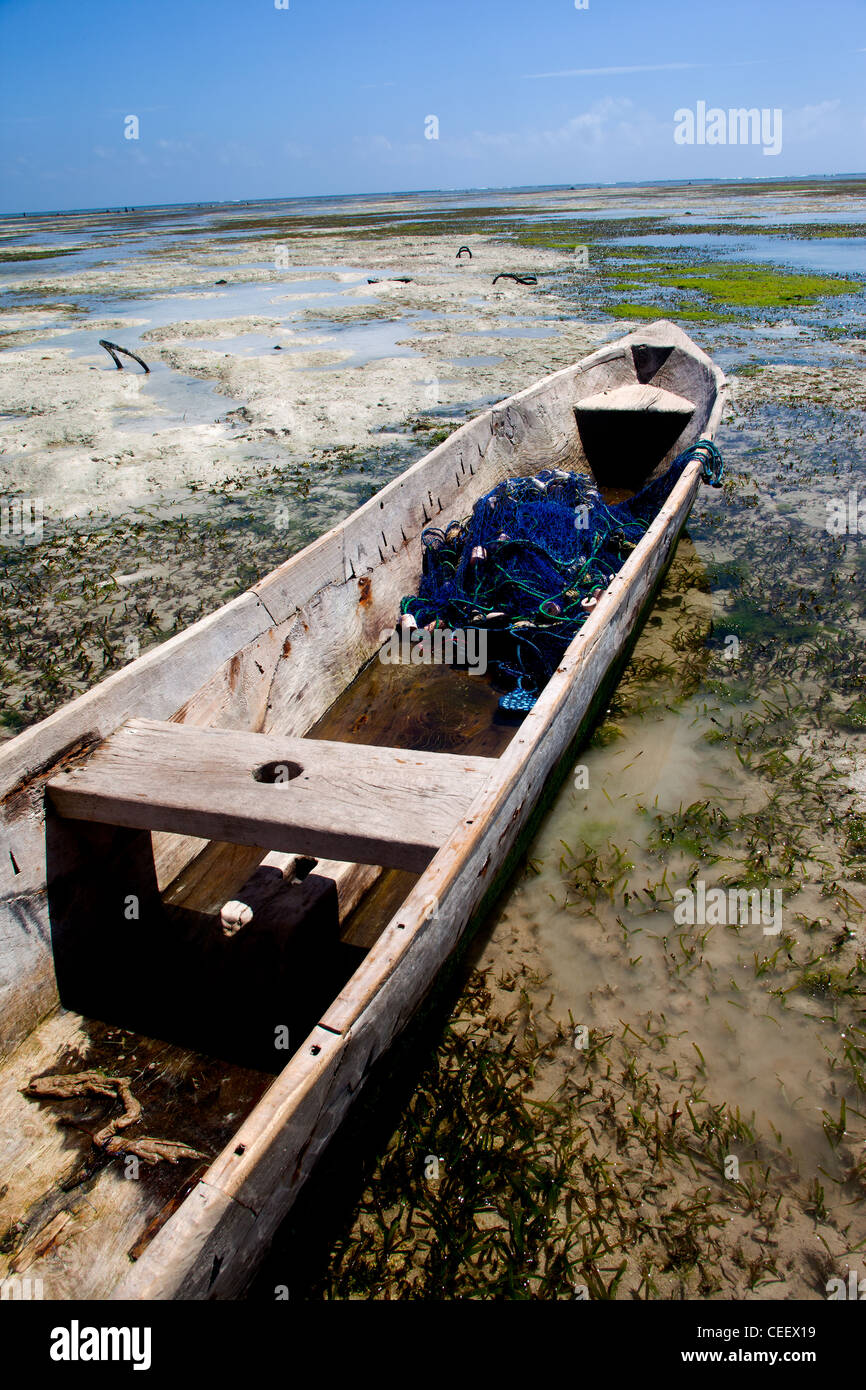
<point>283,297</point>
<point>169,399</point>
<point>765,1050</point>
<point>827,255</point>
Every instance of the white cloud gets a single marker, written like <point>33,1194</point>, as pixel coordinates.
<point>823,119</point>
<point>608,124</point>
<point>239,156</point>
<point>375,144</point>
<point>177,146</point>
<point>645,67</point>
<point>127,150</point>
<point>616,72</point>
<point>592,142</point>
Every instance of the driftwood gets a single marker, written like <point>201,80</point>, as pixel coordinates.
<point>518,279</point>
<point>113,349</point>
<point>460,253</point>
<point>96,1083</point>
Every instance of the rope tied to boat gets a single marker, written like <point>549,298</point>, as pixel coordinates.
<point>530,565</point>
<point>712,464</point>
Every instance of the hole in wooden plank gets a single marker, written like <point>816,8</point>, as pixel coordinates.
<point>315,1049</point>
<point>277,774</point>
<point>15,868</point>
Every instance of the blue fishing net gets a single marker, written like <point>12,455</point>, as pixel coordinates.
<point>528,562</point>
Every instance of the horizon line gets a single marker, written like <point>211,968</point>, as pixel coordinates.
<point>444,192</point>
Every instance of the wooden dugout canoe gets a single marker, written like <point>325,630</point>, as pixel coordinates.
<point>136,820</point>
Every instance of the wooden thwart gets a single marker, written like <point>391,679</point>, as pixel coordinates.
<point>368,805</point>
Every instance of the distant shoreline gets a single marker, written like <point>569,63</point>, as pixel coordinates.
<point>326,198</point>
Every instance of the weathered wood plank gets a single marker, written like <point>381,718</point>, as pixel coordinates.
<point>45,1146</point>
<point>345,801</point>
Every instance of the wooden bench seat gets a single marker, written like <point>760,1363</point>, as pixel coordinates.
<point>367,805</point>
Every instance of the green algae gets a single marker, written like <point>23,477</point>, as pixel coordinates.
<point>627,310</point>
<point>22,254</point>
<point>740,285</point>
<point>755,286</point>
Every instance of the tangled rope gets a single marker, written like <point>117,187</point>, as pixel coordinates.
<point>712,465</point>
<point>530,564</point>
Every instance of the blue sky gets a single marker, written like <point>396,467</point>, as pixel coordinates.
<point>238,99</point>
